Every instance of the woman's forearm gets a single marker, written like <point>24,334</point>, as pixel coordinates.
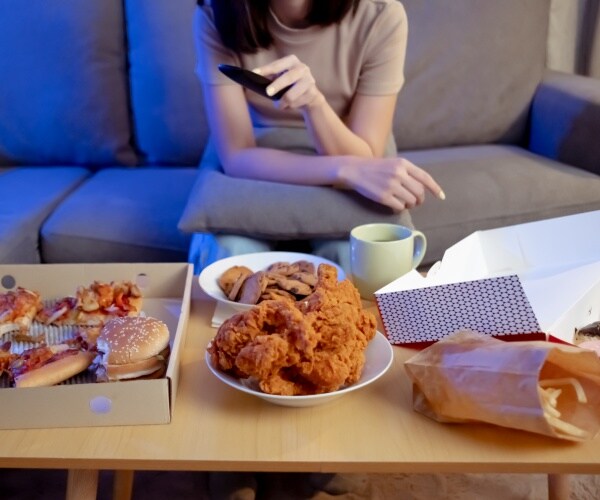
<point>394,182</point>
<point>283,166</point>
<point>330,135</point>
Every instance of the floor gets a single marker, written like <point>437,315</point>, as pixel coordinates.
<point>20,484</point>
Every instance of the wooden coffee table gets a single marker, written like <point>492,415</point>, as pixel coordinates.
<point>216,428</point>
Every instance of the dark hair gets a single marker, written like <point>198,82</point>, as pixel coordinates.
<point>242,24</point>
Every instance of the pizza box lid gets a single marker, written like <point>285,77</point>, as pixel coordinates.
<point>166,288</point>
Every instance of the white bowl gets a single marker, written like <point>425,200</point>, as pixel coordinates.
<point>259,261</point>
<point>379,356</point>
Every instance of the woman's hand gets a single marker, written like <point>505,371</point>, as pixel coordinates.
<point>290,71</point>
<point>395,182</point>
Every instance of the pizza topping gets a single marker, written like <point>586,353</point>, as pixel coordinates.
<point>95,304</point>
<point>108,296</point>
<point>18,309</point>
<point>59,309</point>
<point>36,357</point>
<point>6,357</point>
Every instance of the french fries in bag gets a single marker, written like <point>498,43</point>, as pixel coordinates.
<point>543,387</point>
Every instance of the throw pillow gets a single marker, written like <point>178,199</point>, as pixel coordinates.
<point>223,204</point>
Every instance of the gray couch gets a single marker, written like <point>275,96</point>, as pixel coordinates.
<point>102,126</point>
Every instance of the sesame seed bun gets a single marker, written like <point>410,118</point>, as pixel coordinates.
<point>132,348</point>
<point>132,339</point>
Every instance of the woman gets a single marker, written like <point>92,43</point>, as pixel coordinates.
<point>344,62</point>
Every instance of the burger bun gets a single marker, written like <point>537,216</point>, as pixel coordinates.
<point>132,348</point>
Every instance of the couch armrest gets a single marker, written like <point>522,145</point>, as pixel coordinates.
<point>565,120</point>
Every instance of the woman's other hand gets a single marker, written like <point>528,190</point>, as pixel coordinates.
<point>290,71</point>
<point>394,182</point>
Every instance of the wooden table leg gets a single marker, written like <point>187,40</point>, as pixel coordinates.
<point>82,484</point>
<point>123,485</point>
<point>558,487</point>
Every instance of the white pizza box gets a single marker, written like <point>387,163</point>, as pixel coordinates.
<point>166,290</point>
<point>528,279</point>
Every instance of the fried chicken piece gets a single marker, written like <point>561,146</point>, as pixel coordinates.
<point>344,328</point>
<point>291,348</point>
<point>271,318</point>
<point>270,360</point>
<point>235,333</point>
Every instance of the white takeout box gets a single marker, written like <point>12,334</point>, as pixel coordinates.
<point>537,279</point>
<point>166,290</point>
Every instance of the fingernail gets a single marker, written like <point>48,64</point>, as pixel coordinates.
<point>442,195</point>
<point>270,91</point>
<point>256,70</point>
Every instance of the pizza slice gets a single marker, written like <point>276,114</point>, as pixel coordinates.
<point>94,305</point>
<point>18,309</point>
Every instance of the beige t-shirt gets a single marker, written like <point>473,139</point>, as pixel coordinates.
<point>363,54</point>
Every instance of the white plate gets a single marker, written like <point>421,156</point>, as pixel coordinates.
<point>257,262</point>
<point>379,356</point>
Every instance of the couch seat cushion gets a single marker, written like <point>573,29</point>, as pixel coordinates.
<point>121,215</point>
<point>494,186</point>
<point>29,194</point>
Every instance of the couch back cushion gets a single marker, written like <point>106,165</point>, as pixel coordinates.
<point>63,89</point>
<point>166,100</point>
<point>471,70</point>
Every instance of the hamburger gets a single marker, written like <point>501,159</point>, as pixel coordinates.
<point>132,348</point>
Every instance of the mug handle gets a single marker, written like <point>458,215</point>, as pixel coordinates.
<point>420,247</point>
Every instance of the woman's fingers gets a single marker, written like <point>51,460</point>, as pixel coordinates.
<point>411,190</point>
<point>405,185</point>
<point>290,72</point>
<point>404,194</point>
<point>396,204</point>
<point>287,79</point>
<point>278,66</point>
<point>426,180</point>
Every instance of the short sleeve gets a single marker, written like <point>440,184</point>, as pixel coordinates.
<point>210,51</point>
<point>382,72</point>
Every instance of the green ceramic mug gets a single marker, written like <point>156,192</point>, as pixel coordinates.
<point>380,253</point>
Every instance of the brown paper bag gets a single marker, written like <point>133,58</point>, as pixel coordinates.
<point>543,387</point>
